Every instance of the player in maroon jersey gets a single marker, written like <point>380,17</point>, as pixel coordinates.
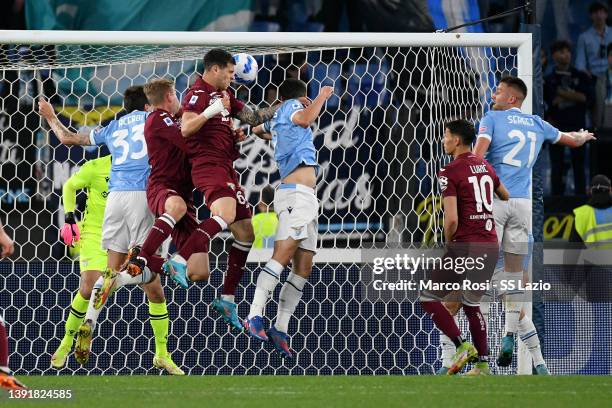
<point>7,381</point>
<point>169,188</point>
<point>208,108</point>
<point>467,185</point>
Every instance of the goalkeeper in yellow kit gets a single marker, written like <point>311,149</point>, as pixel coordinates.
<point>93,176</point>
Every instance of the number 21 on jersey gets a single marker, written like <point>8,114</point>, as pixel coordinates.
<point>510,157</point>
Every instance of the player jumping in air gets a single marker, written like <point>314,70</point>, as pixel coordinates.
<point>208,108</point>
<point>7,381</point>
<point>467,185</point>
<point>93,176</point>
<point>297,207</point>
<point>512,141</point>
<point>126,217</point>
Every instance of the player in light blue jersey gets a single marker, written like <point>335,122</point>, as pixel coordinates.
<point>297,207</point>
<point>512,141</point>
<point>127,218</point>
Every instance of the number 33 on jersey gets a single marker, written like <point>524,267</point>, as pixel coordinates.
<point>125,140</point>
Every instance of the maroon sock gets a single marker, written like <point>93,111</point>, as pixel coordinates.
<point>3,346</point>
<point>235,266</point>
<point>155,264</point>
<point>442,319</point>
<point>199,239</point>
<point>478,329</point>
<point>162,228</point>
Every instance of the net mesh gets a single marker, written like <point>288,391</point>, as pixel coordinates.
<point>379,147</point>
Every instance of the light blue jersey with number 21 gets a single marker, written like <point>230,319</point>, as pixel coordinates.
<point>125,140</point>
<point>516,140</point>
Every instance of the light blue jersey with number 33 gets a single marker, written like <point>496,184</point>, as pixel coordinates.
<point>125,140</point>
<point>516,140</point>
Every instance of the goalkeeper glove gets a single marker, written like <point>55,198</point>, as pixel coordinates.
<point>70,230</point>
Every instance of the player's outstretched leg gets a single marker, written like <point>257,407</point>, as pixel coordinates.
<point>242,230</point>
<point>78,308</point>
<point>529,336</point>
<point>267,280</point>
<point>7,381</point>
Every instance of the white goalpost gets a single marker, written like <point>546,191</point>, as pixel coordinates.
<point>379,147</point>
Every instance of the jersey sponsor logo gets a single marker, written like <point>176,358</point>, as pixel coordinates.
<point>168,121</point>
<point>193,99</point>
<point>443,182</point>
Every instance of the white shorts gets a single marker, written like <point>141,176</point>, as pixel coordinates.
<point>127,220</point>
<point>298,211</point>
<point>513,224</point>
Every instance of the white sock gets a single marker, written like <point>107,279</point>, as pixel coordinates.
<point>513,302</point>
<point>6,370</point>
<point>93,313</point>
<point>228,298</point>
<point>289,297</point>
<point>448,350</point>
<point>529,336</point>
<point>125,279</point>
<point>266,282</point>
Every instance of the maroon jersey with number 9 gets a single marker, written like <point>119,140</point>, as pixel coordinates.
<point>473,181</point>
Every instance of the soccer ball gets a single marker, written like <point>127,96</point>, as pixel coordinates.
<point>246,68</point>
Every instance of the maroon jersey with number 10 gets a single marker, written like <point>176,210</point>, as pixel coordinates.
<point>473,181</point>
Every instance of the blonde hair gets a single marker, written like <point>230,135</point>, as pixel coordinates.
<point>157,89</point>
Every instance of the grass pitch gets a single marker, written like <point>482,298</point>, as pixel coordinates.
<point>321,392</point>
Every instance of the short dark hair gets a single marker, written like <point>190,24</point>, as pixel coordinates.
<point>597,6</point>
<point>219,57</point>
<point>560,45</point>
<point>292,88</point>
<point>267,195</point>
<point>134,98</point>
<point>464,129</point>
<point>516,83</point>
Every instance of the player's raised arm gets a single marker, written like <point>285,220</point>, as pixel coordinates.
<point>191,122</point>
<point>261,132</point>
<point>451,218</point>
<point>483,139</point>
<point>309,114</point>
<point>64,135</point>
<point>257,116</point>
<point>575,139</point>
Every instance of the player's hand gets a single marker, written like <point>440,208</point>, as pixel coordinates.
<point>226,101</point>
<point>6,244</point>
<point>582,136</point>
<point>239,135</point>
<point>70,230</point>
<point>304,100</point>
<point>326,91</point>
<point>45,109</point>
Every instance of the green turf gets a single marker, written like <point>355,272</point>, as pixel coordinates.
<point>323,392</point>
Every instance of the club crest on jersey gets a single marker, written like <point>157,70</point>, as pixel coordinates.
<point>168,121</point>
<point>193,99</point>
<point>232,186</point>
<point>443,182</point>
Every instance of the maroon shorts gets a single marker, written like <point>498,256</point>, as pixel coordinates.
<point>465,261</point>
<point>218,180</point>
<point>156,199</point>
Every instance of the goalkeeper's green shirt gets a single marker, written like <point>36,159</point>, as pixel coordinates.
<point>92,176</point>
